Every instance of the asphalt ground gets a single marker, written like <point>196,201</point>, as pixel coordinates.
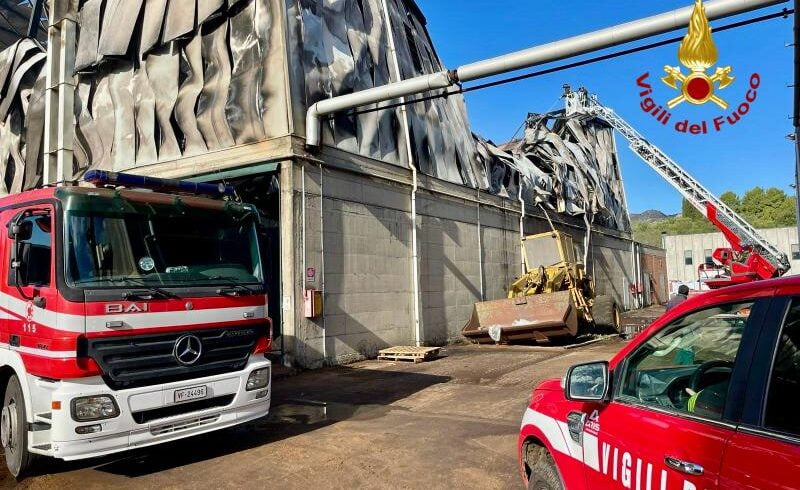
<point>451,422</point>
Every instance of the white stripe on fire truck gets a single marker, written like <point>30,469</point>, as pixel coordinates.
<point>97,323</point>
<point>48,318</point>
<point>53,354</point>
<point>174,318</point>
<point>4,315</point>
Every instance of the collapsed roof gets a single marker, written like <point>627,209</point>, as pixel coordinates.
<point>570,165</point>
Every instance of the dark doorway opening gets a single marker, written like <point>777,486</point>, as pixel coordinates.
<point>263,191</point>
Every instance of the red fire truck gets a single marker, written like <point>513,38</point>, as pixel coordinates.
<point>705,398</point>
<point>128,317</point>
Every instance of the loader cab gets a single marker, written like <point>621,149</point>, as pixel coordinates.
<point>548,250</point>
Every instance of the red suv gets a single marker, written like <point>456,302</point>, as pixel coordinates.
<point>707,397</point>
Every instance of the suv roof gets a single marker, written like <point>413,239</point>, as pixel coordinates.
<point>750,290</point>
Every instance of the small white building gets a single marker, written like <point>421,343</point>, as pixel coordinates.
<point>686,252</point>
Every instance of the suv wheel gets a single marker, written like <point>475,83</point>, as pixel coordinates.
<point>544,474</point>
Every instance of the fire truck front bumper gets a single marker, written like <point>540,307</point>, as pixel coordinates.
<point>154,414</point>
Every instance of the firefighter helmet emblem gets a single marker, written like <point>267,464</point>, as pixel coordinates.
<point>698,53</point>
<point>29,312</point>
<point>188,349</point>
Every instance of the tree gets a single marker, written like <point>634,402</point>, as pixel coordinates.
<point>752,205</point>
<point>762,208</point>
<point>731,200</point>
<point>690,212</point>
<point>786,213</point>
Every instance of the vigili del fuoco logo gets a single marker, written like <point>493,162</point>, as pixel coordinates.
<point>699,85</point>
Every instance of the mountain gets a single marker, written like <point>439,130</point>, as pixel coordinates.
<point>650,216</point>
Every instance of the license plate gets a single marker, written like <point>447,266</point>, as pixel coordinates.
<point>190,394</point>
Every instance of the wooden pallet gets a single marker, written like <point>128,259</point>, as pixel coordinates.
<point>404,353</point>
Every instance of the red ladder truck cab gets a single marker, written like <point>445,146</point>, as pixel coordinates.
<point>128,317</point>
<point>706,398</point>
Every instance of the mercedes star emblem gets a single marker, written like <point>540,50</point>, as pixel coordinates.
<point>187,349</point>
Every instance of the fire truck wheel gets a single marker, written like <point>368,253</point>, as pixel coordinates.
<point>13,433</point>
<point>544,474</point>
<point>606,314</point>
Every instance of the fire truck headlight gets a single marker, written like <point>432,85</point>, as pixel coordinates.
<point>258,379</point>
<point>89,408</point>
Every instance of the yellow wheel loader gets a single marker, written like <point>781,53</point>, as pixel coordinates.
<point>554,298</point>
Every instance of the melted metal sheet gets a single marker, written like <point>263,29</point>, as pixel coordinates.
<point>119,22</point>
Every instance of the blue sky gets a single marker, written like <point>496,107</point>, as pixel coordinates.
<point>753,152</point>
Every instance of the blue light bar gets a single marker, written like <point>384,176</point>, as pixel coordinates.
<point>101,178</point>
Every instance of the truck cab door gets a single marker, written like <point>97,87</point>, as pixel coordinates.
<point>764,453</point>
<point>667,424</point>
<point>29,281</point>
<point>5,314</point>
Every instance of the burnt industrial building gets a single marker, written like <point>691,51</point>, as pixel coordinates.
<point>389,231</point>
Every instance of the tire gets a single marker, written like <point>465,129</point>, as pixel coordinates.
<point>544,474</point>
<point>606,314</point>
<point>14,429</point>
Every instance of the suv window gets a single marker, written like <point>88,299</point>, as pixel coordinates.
<point>784,383</point>
<point>686,367</point>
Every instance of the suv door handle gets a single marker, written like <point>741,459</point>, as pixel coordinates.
<point>683,466</point>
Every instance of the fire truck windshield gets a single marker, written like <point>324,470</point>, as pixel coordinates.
<point>149,245</point>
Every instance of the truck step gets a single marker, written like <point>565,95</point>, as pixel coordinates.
<point>40,437</point>
<point>45,417</point>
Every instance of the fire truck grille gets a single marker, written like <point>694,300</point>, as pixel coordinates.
<point>146,416</point>
<point>143,360</point>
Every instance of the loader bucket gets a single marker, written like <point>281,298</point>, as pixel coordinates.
<point>531,318</point>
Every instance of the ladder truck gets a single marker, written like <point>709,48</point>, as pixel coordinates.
<point>750,256</point>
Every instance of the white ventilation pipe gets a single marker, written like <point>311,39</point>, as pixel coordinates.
<point>369,96</point>
<point>394,72</point>
<point>538,55</point>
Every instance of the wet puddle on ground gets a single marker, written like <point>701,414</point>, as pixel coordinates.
<point>309,412</point>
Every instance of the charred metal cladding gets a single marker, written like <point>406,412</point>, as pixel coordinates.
<point>660,113</point>
<point>154,85</point>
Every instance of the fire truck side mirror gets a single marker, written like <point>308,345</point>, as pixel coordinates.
<point>588,382</point>
<point>20,231</point>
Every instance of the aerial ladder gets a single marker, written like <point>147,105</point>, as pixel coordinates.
<point>750,256</point>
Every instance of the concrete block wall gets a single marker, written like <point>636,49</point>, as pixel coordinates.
<point>359,245</point>
<point>502,259</point>
<point>468,253</point>
<point>449,274</point>
<point>612,269</point>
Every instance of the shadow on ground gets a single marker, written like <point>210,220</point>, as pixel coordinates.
<point>300,404</point>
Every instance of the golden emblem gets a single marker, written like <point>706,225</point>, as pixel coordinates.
<point>698,53</point>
